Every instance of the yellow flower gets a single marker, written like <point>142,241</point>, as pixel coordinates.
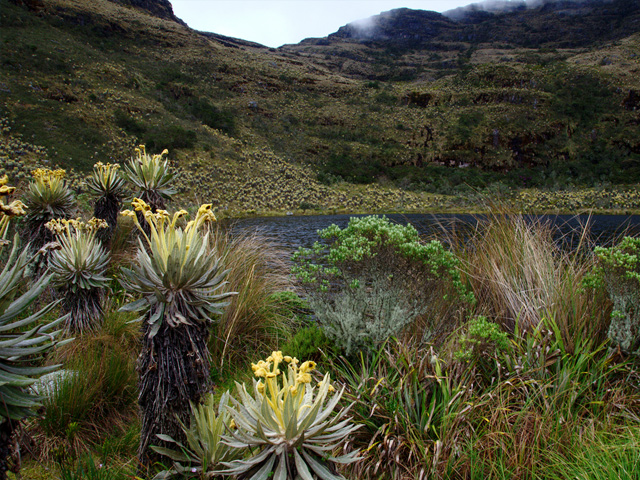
<point>6,190</point>
<point>303,378</point>
<point>140,205</point>
<point>275,357</point>
<point>307,366</point>
<point>128,213</point>
<point>4,180</point>
<point>261,372</point>
<point>15,208</point>
<point>260,387</point>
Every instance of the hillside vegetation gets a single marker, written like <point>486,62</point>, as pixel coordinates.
<point>335,123</point>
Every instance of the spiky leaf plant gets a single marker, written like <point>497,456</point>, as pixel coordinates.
<point>204,450</point>
<point>179,278</point>
<point>109,186</point>
<point>24,336</point>
<point>150,177</point>
<point>287,420</point>
<point>78,268</point>
<point>47,197</point>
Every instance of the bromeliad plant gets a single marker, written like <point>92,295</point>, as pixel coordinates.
<point>24,336</point>
<point>288,421</point>
<point>178,278</point>
<point>109,186</point>
<point>78,268</point>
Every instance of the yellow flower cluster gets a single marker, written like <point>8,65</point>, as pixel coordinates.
<point>14,208</point>
<point>106,167</point>
<point>161,219</point>
<point>141,152</point>
<point>67,227</point>
<point>7,211</point>
<point>291,380</point>
<point>45,175</point>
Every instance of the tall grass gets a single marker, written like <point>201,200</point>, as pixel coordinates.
<point>258,269</point>
<point>520,274</point>
<point>97,395</point>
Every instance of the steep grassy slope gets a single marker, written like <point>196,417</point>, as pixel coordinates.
<point>253,128</point>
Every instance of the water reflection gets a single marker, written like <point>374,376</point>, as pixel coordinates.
<point>292,232</point>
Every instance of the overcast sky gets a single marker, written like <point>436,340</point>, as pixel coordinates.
<point>276,22</point>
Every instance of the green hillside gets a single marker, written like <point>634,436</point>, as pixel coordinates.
<point>299,127</point>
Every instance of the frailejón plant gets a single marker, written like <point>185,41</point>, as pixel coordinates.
<point>47,197</point>
<point>107,184</point>
<point>287,420</point>
<point>203,451</point>
<point>78,268</point>
<point>179,280</point>
<point>150,177</point>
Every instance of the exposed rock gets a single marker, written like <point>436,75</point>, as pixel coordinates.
<point>158,8</point>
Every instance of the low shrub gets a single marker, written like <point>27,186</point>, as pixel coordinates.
<point>309,342</point>
<point>374,279</point>
<point>620,270</point>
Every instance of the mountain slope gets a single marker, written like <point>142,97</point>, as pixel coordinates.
<point>250,127</point>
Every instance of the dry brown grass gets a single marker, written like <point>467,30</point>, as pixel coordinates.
<point>521,276</point>
<point>258,269</point>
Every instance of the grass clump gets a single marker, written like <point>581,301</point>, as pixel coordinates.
<point>95,396</point>
<point>257,315</point>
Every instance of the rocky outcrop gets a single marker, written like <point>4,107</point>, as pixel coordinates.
<point>401,25</point>
<point>157,8</point>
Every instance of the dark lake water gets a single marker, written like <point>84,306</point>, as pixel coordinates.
<point>292,232</point>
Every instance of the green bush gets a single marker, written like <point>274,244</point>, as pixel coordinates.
<point>212,116</point>
<point>309,342</point>
<point>171,137</point>
<point>372,279</point>
<point>128,123</point>
<point>620,270</point>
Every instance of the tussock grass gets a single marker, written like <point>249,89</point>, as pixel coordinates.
<point>252,322</point>
<point>97,396</point>
<point>520,274</point>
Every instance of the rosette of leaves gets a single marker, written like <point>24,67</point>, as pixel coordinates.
<point>179,281</point>
<point>203,450</point>
<point>47,197</point>
<point>24,335</point>
<point>287,420</point>
<point>109,186</point>
<point>150,177</point>
<point>78,268</point>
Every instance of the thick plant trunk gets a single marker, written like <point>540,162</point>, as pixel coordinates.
<point>7,429</point>
<point>173,370</point>
<point>86,311</point>
<point>107,208</point>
